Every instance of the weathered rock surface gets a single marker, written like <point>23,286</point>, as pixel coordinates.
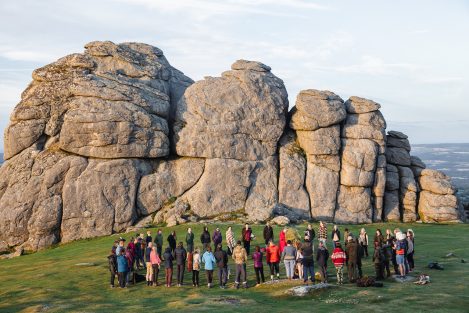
<point>240,115</point>
<point>114,139</point>
<point>292,175</point>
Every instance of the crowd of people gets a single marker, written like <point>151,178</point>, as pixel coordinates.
<point>298,255</point>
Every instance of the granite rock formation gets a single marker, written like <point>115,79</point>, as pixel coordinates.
<point>116,138</point>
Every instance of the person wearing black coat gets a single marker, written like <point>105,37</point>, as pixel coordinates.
<point>268,233</point>
<point>168,264</point>
<point>321,258</point>
<point>205,238</point>
<point>310,233</point>
<point>222,263</point>
<point>172,241</point>
<point>180,256</point>
<point>112,261</point>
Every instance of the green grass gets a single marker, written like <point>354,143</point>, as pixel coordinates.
<point>49,281</point>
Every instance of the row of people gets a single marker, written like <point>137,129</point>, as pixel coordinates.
<point>298,260</point>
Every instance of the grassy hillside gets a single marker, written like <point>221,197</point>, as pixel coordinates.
<point>50,281</point>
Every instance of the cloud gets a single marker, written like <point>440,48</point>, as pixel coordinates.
<point>419,31</point>
<point>441,80</point>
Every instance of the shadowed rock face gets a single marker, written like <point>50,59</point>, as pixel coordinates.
<point>116,137</point>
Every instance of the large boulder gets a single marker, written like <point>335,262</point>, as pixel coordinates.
<point>316,109</point>
<point>113,101</point>
<point>240,115</point>
<point>354,205</point>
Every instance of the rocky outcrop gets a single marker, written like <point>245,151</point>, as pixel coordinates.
<point>362,175</point>
<point>316,119</point>
<point>115,138</point>
<point>438,202</point>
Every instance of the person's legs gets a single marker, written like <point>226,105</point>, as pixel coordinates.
<point>113,276</point>
<point>277,269</point>
<point>225,276</point>
<point>300,270</point>
<point>258,278</point>
<point>220,276</point>
<point>243,275</point>
<point>238,274</point>
<point>155,274</point>
<point>262,274</point>
<point>287,269</point>
<point>410,259</point>
<point>271,266</point>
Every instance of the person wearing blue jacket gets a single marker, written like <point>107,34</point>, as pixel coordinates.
<point>122,267</point>
<point>209,260</point>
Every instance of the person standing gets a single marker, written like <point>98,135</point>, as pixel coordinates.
<point>310,233</point>
<point>205,238</point>
<point>168,266</point>
<point>230,240</point>
<point>338,258</point>
<point>159,242</point>
<point>335,236</point>
<point>299,260</point>
<point>122,268</point>
<point>196,260</point>
<point>148,238</point>
<point>268,233</point>
<point>288,257</point>
<point>379,238</point>
<point>257,257</point>
<point>130,260</point>
<point>308,260</point>
<point>112,262</point>
<point>217,238</point>
<point>391,241</point>
<point>131,248</point>
<point>352,250</point>
<point>321,258</point>
<point>190,240</point>
<point>209,260</point>
<point>378,261</point>
<point>138,260</point>
<point>240,258</point>
<point>222,263</point>
<point>246,234</point>
<point>172,239</point>
<point>322,231</point>
<point>401,249</point>
<point>273,259</point>
<point>346,234</point>
<point>149,275</point>
<point>155,263</point>
<point>120,246</point>
<point>410,249</point>
<point>282,239</point>
<point>363,241</point>
<point>387,254</point>
<point>180,256</point>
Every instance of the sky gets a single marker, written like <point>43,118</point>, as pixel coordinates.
<point>409,56</point>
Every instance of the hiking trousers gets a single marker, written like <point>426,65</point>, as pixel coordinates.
<point>169,275</point>
<point>156,271</point>
<point>289,268</point>
<point>308,270</point>
<point>352,271</point>
<point>122,276</point>
<point>340,274</point>
<point>195,277</point>
<point>180,273</point>
<point>240,273</point>
<point>223,275</point>
<point>323,272</point>
<point>274,268</point>
<point>209,274</point>
<point>259,274</point>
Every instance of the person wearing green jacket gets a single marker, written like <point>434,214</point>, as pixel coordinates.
<point>190,240</point>
<point>159,242</point>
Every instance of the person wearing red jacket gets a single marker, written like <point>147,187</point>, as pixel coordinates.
<point>282,239</point>
<point>273,259</point>
<point>339,258</point>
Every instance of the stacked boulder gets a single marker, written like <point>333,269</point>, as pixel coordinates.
<point>406,189</point>
<point>362,174</point>
<point>316,120</point>
<point>235,122</point>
